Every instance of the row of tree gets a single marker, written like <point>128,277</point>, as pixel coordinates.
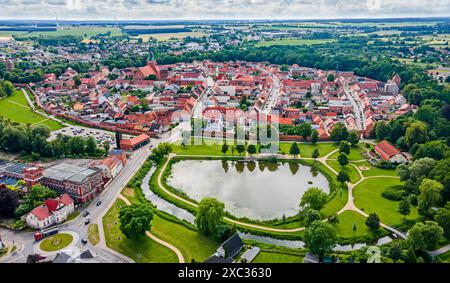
<point>33,140</point>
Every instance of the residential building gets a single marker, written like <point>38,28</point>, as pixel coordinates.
<point>53,211</point>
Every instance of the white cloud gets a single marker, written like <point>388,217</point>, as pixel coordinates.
<point>220,9</point>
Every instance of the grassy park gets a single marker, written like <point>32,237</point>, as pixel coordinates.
<point>277,257</point>
<point>368,198</point>
<point>142,250</point>
<point>347,221</point>
<point>56,242</point>
<point>16,108</point>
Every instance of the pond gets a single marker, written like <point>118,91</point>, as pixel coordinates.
<point>259,190</point>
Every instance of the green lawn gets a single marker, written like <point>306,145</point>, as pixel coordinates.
<point>351,170</point>
<point>56,242</point>
<point>192,244</point>
<point>276,257</point>
<point>93,234</point>
<point>345,226</point>
<point>445,257</point>
<point>15,108</point>
<point>369,170</point>
<point>85,32</point>
<point>355,154</point>
<point>291,41</point>
<point>142,250</point>
<point>338,202</point>
<point>368,198</point>
<point>306,149</point>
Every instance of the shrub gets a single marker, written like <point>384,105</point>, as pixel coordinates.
<point>395,193</point>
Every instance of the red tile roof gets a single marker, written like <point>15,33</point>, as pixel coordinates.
<point>41,212</point>
<point>386,150</point>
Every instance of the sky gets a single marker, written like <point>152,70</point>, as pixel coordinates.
<point>219,9</point>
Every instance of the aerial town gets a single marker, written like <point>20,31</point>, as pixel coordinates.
<point>319,141</point>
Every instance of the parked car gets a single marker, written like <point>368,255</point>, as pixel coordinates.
<point>99,203</point>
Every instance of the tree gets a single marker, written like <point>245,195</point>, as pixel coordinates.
<point>135,220</point>
<point>342,159</point>
<point>9,201</point>
<point>320,238</point>
<point>162,150</point>
<point>373,222</point>
<point>404,207</point>
<point>314,137</point>
<point>76,145</point>
<point>314,198</point>
<point>417,132</point>
<point>106,146</point>
<point>294,149</point>
<point>343,176</point>
<point>240,148</point>
<point>430,194</point>
<point>433,149</point>
<point>382,130</point>
<point>251,149</point>
<point>344,147</point>
<point>310,216</point>
<point>209,215</point>
<point>91,146</point>
<point>305,130</point>
<point>425,236</point>
<point>315,153</point>
<point>224,148</point>
<point>339,132</point>
<point>353,138</point>
<point>330,78</point>
<point>442,217</point>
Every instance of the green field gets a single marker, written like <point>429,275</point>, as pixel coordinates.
<point>142,250</point>
<point>351,170</point>
<point>336,204</point>
<point>368,198</point>
<point>16,108</point>
<point>369,170</point>
<point>445,257</point>
<point>276,257</point>
<point>85,32</point>
<point>192,244</point>
<point>306,149</point>
<point>291,41</point>
<point>170,36</point>
<point>56,242</point>
<point>345,226</point>
<point>355,154</point>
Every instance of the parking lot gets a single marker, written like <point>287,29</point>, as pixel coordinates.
<point>76,131</point>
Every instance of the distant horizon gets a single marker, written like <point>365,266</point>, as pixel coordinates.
<point>421,18</point>
<point>192,10</point>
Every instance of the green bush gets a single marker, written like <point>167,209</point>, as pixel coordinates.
<point>395,193</point>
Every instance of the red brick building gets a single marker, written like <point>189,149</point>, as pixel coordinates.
<point>134,143</point>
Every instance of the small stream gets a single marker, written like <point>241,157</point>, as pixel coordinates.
<point>180,213</point>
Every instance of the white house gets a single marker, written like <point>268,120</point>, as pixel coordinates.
<point>53,211</point>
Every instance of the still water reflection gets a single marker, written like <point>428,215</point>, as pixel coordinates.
<point>253,189</point>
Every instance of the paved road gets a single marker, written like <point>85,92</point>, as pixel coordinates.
<point>358,110</point>
<point>25,242</point>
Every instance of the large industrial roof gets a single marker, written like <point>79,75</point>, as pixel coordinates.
<point>69,172</point>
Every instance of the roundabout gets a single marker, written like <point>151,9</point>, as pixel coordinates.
<point>55,243</point>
